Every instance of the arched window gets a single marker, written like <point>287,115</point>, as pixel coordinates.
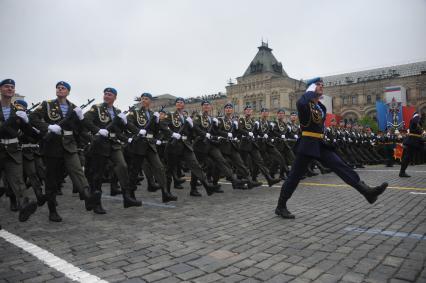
<point>368,99</point>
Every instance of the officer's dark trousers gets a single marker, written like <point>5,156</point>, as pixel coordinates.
<point>407,156</point>
<point>329,159</point>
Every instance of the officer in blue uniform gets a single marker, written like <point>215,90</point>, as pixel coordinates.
<point>311,146</point>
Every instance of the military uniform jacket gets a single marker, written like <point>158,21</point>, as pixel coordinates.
<point>50,113</point>
<point>414,138</point>
<point>138,119</point>
<point>264,128</point>
<point>311,120</point>
<point>174,123</point>
<point>246,125</point>
<point>279,129</point>
<point>10,129</point>
<point>203,124</point>
<point>294,131</point>
<point>98,118</point>
<point>226,125</point>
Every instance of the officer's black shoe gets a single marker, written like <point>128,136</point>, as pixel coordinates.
<point>13,203</point>
<point>153,187</point>
<point>253,184</point>
<point>282,210</point>
<point>41,199</point>
<point>53,214</point>
<point>210,188</point>
<point>194,193</point>
<point>369,193</point>
<point>129,201</point>
<point>166,197</point>
<point>115,189</point>
<point>27,208</point>
<point>404,175</point>
<point>272,181</point>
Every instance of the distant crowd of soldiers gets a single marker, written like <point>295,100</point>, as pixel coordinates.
<point>40,147</point>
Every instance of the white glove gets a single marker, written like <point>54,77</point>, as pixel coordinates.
<point>142,132</point>
<point>79,113</point>
<point>103,132</point>
<point>176,136</point>
<point>283,137</point>
<point>123,117</point>
<point>158,142</point>
<point>157,116</point>
<point>235,139</point>
<point>257,123</point>
<point>251,134</point>
<point>230,135</point>
<point>129,140</point>
<point>189,120</point>
<point>265,136</point>
<point>208,136</point>
<point>216,121</point>
<point>296,136</point>
<point>235,124</point>
<point>56,129</point>
<point>350,140</point>
<point>23,116</point>
<point>272,125</point>
<point>334,140</point>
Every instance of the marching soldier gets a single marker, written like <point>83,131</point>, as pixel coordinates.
<point>412,144</point>
<point>247,129</point>
<point>57,120</point>
<point>207,150</point>
<point>180,128</point>
<point>266,144</point>
<point>143,147</point>
<point>310,146</point>
<point>11,121</point>
<point>281,133</point>
<point>229,147</point>
<point>108,123</point>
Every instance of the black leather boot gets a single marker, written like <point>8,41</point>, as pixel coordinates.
<point>194,191</point>
<point>271,181</point>
<point>26,208</point>
<point>210,188</point>
<point>129,200</point>
<point>282,210</point>
<point>153,187</point>
<point>253,184</point>
<point>41,199</point>
<point>98,209</point>
<point>53,214</point>
<point>13,203</point>
<point>370,193</point>
<point>404,175</point>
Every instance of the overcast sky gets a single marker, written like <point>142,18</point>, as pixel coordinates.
<point>190,48</point>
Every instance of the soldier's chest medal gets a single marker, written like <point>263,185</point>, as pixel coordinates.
<point>316,114</point>
<point>248,124</point>
<point>205,122</point>
<point>264,126</point>
<point>176,121</point>
<point>227,124</point>
<point>141,118</point>
<point>53,112</point>
<point>282,127</point>
<point>103,116</point>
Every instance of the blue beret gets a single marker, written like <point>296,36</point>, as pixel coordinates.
<point>64,84</point>
<point>313,81</point>
<point>264,109</point>
<point>293,113</point>
<point>281,110</point>
<point>179,99</point>
<point>247,107</point>
<point>228,105</point>
<point>111,89</point>
<point>146,94</point>
<point>205,101</point>
<point>21,102</point>
<point>7,82</point>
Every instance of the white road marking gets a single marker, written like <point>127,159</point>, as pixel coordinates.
<point>416,193</point>
<point>385,232</point>
<point>69,270</point>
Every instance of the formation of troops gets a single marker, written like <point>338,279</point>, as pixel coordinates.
<point>97,144</point>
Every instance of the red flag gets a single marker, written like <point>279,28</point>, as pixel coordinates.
<point>330,117</point>
<point>407,114</point>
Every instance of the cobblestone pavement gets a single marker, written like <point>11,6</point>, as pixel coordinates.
<point>234,237</point>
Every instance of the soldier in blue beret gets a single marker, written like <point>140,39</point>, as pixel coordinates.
<point>312,114</point>
<point>64,84</point>
<point>13,121</point>
<point>22,103</point>
<point>146,94</point>
<point>179,99</point>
